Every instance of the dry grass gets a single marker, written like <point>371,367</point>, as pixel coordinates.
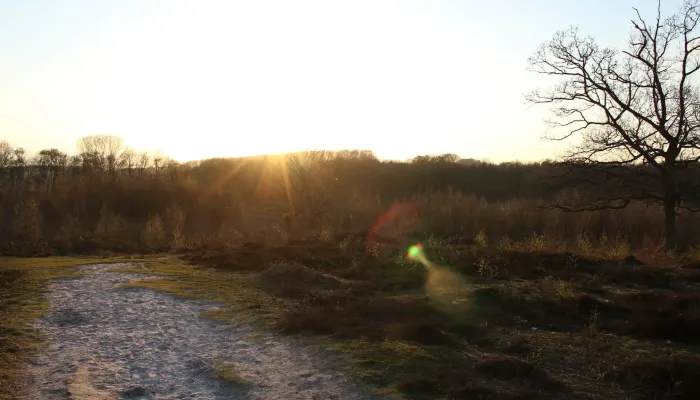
<point>512,224</point>
<point>519,304</point>
<point>539,324</point>
<point>230,373</point>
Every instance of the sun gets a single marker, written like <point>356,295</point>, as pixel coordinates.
<point>242,80</point>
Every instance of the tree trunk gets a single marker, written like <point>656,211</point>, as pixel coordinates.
<point>670,189</point>
<point>670,223</point>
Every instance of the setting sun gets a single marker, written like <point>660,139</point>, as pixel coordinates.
<point>232,78</point>
<point>240,78</point>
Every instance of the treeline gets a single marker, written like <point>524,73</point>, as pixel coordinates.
<point>109,196</point>
<point>356,169</point>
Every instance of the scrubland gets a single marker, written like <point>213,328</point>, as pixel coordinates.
<point>515,300</point>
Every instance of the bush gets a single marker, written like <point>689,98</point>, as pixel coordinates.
<point>153,235</point>
<point>27,220</point>
<point>110,226</point>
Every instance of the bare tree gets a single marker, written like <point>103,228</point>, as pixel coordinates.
<point>17,166</point>
<point>172,167</point>
<point>5,154</point>
<point>114,146</point>
<point>355,155</point>
<point>636,112</point>
<point>143,160</point>
<point>99,152</point>
<point>306,174</point>
<point>5,158</point>
<point>20,157</point>
<point>92,152</point>
<point>127,160</point>
<point>75,163</point>
<point>446,158</point>
<point>158,161</point>
<point>51,163</point>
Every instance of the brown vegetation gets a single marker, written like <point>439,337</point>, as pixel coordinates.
<point>110,198</point>
<point>542,323</point>
<point>564,305</point>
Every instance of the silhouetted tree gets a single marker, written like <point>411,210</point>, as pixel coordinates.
<point>17,166</point>
<point>629,107</point>
<point>100,152</point>
<point>51,163</point>
<point>432,159</point>
<point>304,174</point>
<point>127,160</point>
<point>143,160</point>
<point>6,152</point>
<point>158,161</point>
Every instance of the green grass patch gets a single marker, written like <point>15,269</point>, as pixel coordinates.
<point>237,291</point>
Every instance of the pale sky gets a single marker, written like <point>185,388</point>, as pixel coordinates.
<point>206,78</point>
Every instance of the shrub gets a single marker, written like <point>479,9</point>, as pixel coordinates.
<point>110,225</point>
<point>153,235</point>
<point>27,220</point>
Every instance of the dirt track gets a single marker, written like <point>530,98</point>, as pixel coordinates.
<point>106,342</point>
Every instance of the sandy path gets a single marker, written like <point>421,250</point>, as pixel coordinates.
<point>115,343</point>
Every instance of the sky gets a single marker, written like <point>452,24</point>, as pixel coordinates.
<point>205,78</point>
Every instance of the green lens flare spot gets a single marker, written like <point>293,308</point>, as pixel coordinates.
<point>415,252</point>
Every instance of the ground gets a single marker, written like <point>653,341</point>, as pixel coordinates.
<point>108,340</point>
<point>22,289</point>
<point>475,322</point>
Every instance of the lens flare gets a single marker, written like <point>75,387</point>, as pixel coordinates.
<point>447,290</point>
<point>401,217</point>
<point>415,253</point>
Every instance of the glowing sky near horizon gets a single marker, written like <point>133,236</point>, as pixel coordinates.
<point>208,78</point>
